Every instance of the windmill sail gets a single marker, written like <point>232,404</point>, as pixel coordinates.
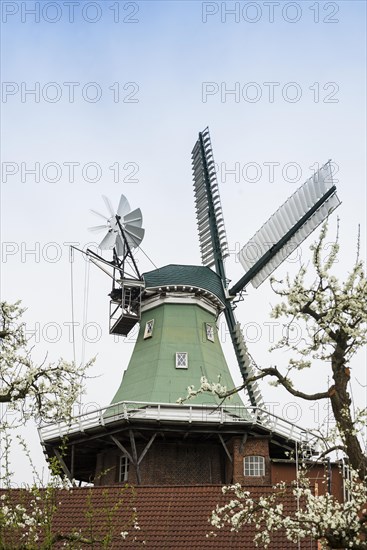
<point>246,369</point>
<point>287,228</point>
<point>212,233</point>
<point>214,248</point>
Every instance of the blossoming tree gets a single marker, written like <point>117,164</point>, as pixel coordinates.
<point>334,319</point>
<point>323,518</point>
<point>334,316</point>
<point>47,391</point>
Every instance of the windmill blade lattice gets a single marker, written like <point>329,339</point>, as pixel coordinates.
<point>131,223</point>
<point>246,367</point>
<point>212,233</point>
<point>214,248</point>
<point>287,228</point>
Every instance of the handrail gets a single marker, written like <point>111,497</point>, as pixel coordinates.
<point>221,414</point>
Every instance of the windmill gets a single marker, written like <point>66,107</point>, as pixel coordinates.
<point>176,308</point>
<point>264,252</point>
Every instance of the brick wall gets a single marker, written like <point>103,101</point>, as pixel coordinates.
<point>167,464</point>
<point>106,469</point>
<point>252,447</point>
<point>318,474</point>
<point>183,463</point>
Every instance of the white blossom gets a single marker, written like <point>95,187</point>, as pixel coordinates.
<point>334,524</point>
<point>46,391</point>
<point>215,388</point>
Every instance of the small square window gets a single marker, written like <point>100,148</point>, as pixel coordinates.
<point>254,466</point>
<point>123,468</point>
<point>182,360</point>
<point>209,331</point>
<point>148,332</point>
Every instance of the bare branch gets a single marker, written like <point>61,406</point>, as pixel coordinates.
<point>330,450</point>
<point>274,372</point>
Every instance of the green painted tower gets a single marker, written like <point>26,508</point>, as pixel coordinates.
<point>178,341</point>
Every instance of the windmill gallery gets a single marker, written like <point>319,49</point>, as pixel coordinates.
<point>145,437</point>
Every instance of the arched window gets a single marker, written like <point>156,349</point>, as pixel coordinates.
<point>254,466</point>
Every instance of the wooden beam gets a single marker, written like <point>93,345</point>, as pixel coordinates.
<point>135,456</point>
<point>122,448</point>
<point>225,447</point>
<point>72,460</point>
<point>65,469</point>
<point>244,439</point>
<point>147,447</point>
<point>282,445</point>
<point>193,430</point>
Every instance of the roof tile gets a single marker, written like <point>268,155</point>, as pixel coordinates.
<point>168,517</point>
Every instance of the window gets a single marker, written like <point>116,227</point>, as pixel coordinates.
<point>254,466</point>
<point>181,360</point>
<point>209,331</point>
<point>148,333</point>
<point>123,468</point>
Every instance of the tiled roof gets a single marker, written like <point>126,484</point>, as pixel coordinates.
<point>170,518</point>
<point>189,275</point>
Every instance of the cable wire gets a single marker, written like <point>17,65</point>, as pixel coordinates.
<point>71,258</point>
<point>84,324</point>
<point>146,255</point>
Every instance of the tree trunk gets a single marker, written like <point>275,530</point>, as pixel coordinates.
<point>341,402</point>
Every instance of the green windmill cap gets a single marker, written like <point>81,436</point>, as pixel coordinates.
<point>186,275</point>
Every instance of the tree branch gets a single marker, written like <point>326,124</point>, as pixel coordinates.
<point>330,450</point>
<point>273,371</point>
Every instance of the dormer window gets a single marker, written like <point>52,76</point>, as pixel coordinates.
<point>148,332</point>
<point>182,360</point>
<point>209,332</point>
